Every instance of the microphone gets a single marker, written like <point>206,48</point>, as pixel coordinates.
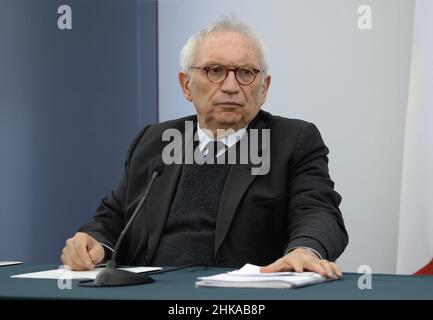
<point>110,276</point>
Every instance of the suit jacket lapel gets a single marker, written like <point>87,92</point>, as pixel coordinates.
<point>237,182</point>
<point>161,198</point>
<point>238,179</point>
<point>158,205</point>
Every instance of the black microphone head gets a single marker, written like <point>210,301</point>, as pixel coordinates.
<point>158,167</point>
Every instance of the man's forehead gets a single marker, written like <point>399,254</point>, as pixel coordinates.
<point>229,48</point>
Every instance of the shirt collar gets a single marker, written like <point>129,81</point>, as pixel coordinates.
<point>228,140</point>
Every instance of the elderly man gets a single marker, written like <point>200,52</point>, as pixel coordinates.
<point>220,214</point>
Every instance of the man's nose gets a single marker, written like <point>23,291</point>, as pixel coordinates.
<point>230,84</point>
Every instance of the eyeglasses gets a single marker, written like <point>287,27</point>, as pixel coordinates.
<point>217,74</point>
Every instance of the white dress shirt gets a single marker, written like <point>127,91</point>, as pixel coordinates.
<point>228,140</point>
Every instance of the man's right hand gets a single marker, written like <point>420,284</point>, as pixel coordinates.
<point>82,252</point>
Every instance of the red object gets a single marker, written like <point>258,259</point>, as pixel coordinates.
<point>427,269</point>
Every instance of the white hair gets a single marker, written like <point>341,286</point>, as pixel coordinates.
<point>189,50</point>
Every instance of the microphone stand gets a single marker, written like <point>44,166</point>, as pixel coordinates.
<point>110,276</point>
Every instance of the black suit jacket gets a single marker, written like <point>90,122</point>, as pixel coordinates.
<point>260,217</point>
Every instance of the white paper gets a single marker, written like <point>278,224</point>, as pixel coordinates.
<point>63,273</point>
<point>253,270</point>
<point>9,263</point>
<point>249,276</point>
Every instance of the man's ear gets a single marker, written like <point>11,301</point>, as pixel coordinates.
<point>184,84</point>
<point>265,88</point>
<point>266,84</point>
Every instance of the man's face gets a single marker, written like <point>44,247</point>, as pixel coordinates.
<point>228,104</point>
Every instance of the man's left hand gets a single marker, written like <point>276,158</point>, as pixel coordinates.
<point>300,260</point>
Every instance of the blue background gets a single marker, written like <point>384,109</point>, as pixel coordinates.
<point>70,103</point>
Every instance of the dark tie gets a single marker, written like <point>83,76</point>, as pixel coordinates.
<point>213,148</point>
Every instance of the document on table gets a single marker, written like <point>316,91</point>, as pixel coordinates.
<point>249,276</point>
<point>63,273</point>
<point>9,263</point>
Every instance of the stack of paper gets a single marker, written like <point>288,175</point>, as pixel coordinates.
<point>249,276</point>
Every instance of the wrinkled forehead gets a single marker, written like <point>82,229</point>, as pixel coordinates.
<point>227,48</point>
